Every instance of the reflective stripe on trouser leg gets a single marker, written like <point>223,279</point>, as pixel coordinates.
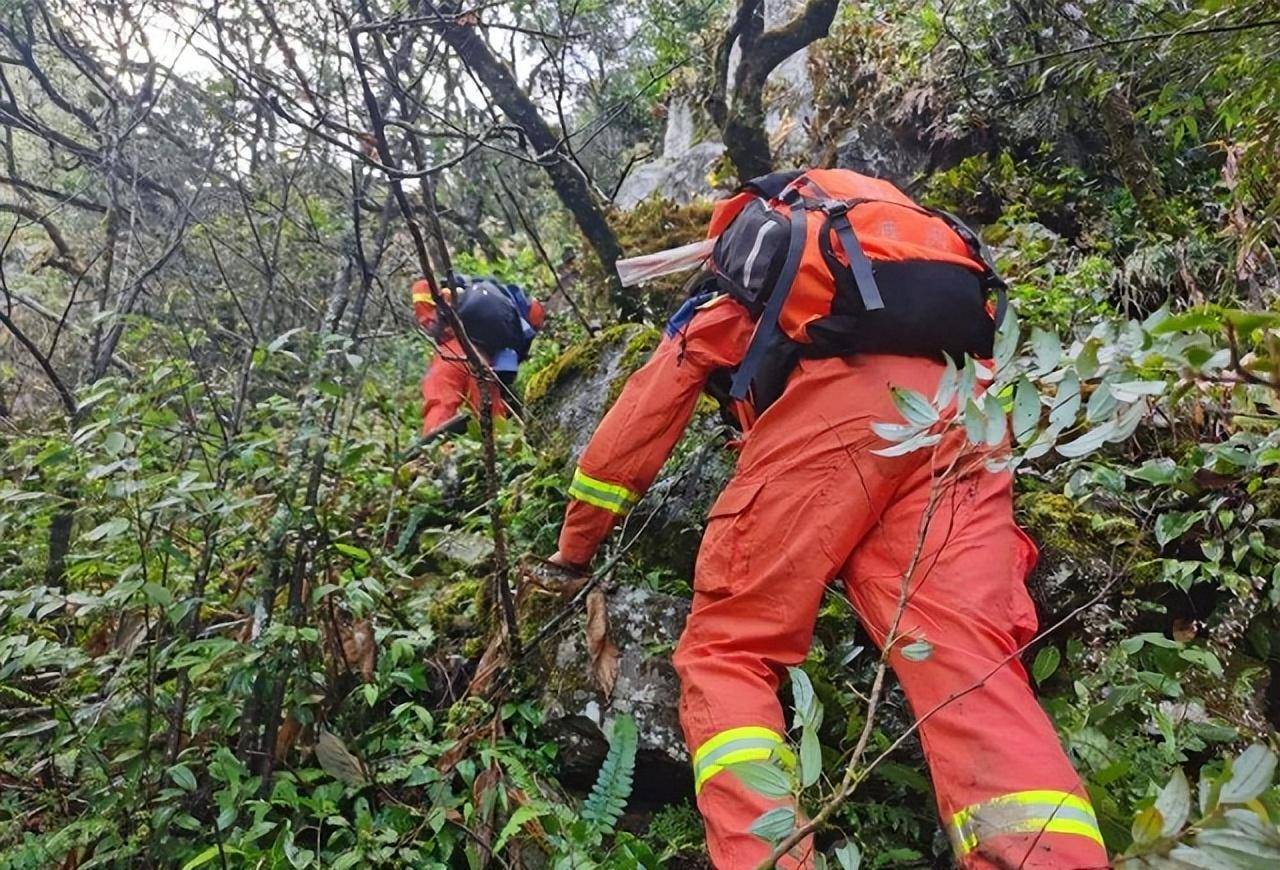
<point>736,745</point>
<point>1023,812</point>
<point>610,496</point>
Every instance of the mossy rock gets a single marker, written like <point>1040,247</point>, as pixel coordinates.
<point>567,398</point>
<point>1082,547</point>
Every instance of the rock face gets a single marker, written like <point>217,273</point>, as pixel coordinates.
<point>569,397</point>
<point>681,178</point>
<point>644,626</point>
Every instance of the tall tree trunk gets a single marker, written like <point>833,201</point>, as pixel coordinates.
<point>566,178</point>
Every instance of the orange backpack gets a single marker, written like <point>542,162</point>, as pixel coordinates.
<point>834,263</point>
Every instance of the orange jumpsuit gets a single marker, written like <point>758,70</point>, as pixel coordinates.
<point>811,504</point>
<point>448,381</point>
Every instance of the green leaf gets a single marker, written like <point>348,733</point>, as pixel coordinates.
<point>183,777</point>
<point>914,407</point>
<point>1160,471</point>
<point>994,413</point>
<point>608,799</point>
<point>208,855</point>
<point>1101,404</point>
<point>354,552</point>
<point>849,856</point>
<point>337,760</point>
<point>1086,443</point>
<point>1006,343</point>
<point>1147,826</point>
<point>1132,391</point>
<point>1026,411</point>
<point>1046,663</point>
<point>1047,349</point>
<point>523,813</point>
<point>916,442</point>
<point>1066,404</point>
<point>774,824</point>
<point>1087,359</point>
<point>763,777</point>
<point>917,651</point>
<point>948,384</point>
<point>810,757</point>
<point>975,422</point>
<point>806,701</point>
<point>1174,804</point>
<point>115,442</point>
<point>110,529</point>
<point>1251,773</point>
<point>1175,524</point>
<point>1203,658</point>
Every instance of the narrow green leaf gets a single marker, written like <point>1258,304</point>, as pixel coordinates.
<point>763,777</point>
<point>917,651</point>
<point>914,407</point>
<point>806,700</point>
<point>1026,411</point>
<point>774,824</point>
<point>810,757</point>
<point>183,777</point>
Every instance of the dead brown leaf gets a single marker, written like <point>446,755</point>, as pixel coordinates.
<point>286,736</point>
<point>601,650</point>
<point>358,647</point>
<point>542,574</point>
<point>491,664</point>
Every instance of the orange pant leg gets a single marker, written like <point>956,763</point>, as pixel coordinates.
<point>1007,794</point>
<point>809,502</point>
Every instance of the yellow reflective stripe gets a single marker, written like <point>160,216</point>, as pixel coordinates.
<point>749,731</point>
<point>1035,811</point>
<point>423,297</point>
<point>610,496</point>
<point>713,301</point>
<point>735,746</point>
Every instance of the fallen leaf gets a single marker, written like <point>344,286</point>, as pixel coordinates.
<point>541,574</point>
<point>286,736</point>
<point>602,652</point>
<point>491,664</point>
<point>338,761</point>
<point>358,648</point>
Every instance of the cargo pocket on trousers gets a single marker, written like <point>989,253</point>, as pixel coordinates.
<point>1022,609</point>
<point>725,552</point>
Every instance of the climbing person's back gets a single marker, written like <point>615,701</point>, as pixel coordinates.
<point>835,289</point>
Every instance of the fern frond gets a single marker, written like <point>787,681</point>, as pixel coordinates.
<point>608,798</point>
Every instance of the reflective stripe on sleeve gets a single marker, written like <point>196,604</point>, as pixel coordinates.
<point>610,496</point>
<point>736,745</point>
<point>1022,812</point>
<point>423,297</point>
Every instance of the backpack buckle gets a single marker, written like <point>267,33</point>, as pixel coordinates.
<point>834,207</point>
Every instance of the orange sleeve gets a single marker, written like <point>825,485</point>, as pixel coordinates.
<point>445,386</point>
<point>639,432</point>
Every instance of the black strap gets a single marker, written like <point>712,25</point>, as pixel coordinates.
<point>859,265</point>
<point>768,324</point>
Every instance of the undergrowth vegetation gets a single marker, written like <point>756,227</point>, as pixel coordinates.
<point>246,616</point>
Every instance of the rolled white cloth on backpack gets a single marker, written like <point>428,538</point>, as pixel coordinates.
<point>646,267</point>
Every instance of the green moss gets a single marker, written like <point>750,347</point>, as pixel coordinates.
<point>585,357</point>
<point>454,608</point>
<point>1065,529</point>
<point>634,355</point>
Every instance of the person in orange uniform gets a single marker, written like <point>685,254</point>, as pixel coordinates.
<point>811,504</point>
<point>501,330</point>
